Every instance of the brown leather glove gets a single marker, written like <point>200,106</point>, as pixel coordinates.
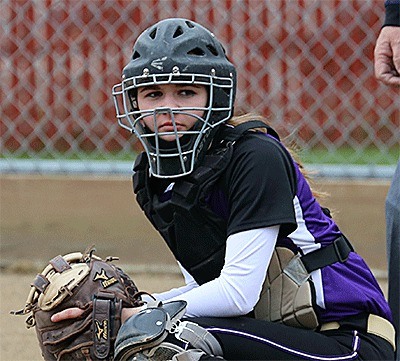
<point>94,285</point>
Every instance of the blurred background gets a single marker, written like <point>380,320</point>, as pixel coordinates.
<point>306,64</point>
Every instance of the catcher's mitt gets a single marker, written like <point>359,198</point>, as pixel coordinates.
<point>86,281</point>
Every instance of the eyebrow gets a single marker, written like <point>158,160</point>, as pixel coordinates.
<point>157,87</point>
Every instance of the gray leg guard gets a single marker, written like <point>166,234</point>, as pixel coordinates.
<point>197,337</point>
<point>162,352</point>
<point>189,355</point>
<point>142,336</point>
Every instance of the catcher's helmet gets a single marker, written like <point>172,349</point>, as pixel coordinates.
<point>176,51</point>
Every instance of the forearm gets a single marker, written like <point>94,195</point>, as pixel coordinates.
<point>236,291</point>
<point>190,283</point>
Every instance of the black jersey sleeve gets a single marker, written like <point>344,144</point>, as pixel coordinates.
<point>392,13</point>
<point>260,183</point>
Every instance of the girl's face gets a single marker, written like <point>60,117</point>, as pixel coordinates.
<point>172,96</point>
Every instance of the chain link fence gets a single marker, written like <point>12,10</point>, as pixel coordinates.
<point>306,64</point>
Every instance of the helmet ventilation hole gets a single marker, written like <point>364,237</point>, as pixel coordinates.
<point>153,33</point>
<point>135,55</point>
<point>196,51</point>
<point>178,32</point>
<point>212,50</point>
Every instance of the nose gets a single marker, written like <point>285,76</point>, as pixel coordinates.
<point>163,112</point>
<point>168,101</point>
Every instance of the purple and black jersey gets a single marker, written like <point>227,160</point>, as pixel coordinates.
<point>262,187</point>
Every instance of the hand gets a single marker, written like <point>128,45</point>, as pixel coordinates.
<point>387,56</point>
<point>68,313</point>
<point>129,312</point>
<point>75,312</point>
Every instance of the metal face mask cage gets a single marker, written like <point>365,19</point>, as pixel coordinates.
<point>175,158</point>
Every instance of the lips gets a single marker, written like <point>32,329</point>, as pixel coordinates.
<point>169,127</point>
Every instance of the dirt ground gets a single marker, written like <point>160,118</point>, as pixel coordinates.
<point>41,217</point>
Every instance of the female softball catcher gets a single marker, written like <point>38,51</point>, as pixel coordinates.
<point>268,273</point>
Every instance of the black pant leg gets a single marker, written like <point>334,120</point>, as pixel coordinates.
<point>249,339</point>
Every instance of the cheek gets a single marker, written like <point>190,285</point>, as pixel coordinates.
<point>199,113</point>
<point>193,120</point>
<point>188,120</point>
<point>148,122</point>
<point>141,103</point>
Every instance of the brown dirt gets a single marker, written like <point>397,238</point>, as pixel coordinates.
<point>41,217</point>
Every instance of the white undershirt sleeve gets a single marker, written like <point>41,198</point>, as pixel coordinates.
<point>236,291</point>
<point>190,283</point>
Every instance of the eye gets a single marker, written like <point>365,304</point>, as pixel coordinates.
<point>153,94</point>
<point>187,92</point>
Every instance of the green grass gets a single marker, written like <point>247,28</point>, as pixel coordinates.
<point>95,156</point>
<point>347,155</point>
<point>343,155</point>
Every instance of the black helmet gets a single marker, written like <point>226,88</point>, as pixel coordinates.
<point>176,51</point>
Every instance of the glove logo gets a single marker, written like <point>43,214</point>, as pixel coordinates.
<point>106,281</point>
<point>101,329</point>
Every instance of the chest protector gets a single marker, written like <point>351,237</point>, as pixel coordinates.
<point>193,232</point>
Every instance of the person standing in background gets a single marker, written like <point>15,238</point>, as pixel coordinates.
<point>387,48</point>
<point>387,70</point>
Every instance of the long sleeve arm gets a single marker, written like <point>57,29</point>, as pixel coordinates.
<point>236,291</point>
